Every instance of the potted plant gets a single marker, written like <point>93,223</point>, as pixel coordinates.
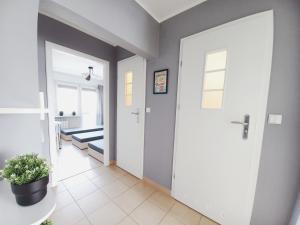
<point>29,176</point>
<point>47,222</point>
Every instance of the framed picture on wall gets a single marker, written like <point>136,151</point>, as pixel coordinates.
<point>160,81</point>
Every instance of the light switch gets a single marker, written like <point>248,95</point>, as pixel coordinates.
<point>148,110</point>
<point>275,119</point>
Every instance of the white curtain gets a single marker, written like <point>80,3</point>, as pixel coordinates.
<point>100,106</point>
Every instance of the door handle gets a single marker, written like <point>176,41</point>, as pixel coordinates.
<point>241,123</point>
<point>245,125</point>
<point>137,114</point>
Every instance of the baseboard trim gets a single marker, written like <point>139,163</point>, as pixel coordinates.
<point>112,162</point>
<point>148,181</point>
<point>157,186</point>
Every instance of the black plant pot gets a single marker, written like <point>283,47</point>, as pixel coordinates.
<point>32,193</point>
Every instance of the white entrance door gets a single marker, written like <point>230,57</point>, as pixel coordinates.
<point>222,99</point>
<point>131,114</point>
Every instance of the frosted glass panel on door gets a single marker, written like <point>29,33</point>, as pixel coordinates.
<point>129,76</point>
<point>214,80</point>
<point>212,99</point>
<point>128,88</point>
<point>216,61</point>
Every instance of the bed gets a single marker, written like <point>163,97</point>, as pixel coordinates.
<point>96,149</point>
<point>66,134</point>
<point>81,140</point>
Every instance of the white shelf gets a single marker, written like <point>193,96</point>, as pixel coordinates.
<point>22,111</point>
<point>20,215</point>
<point>42,110</point>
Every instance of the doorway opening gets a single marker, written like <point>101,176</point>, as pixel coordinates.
<point>78,102</point>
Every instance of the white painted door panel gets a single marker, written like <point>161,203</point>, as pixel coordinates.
<point>131,115</point>
<point>215,168</point>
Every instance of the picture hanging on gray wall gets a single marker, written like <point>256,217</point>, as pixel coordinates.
<point>160,81</point>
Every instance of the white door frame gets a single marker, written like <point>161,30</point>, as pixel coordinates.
<point>51,103</point>
<point>262,108</point>
<point>142,121</point>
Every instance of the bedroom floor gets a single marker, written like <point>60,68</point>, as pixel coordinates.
<point>111,196</point>
<point>73,161</point>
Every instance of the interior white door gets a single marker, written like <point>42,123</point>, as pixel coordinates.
<point>131,114</point>
<point>223,89</point>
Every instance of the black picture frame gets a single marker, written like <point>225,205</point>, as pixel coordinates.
<point>160,90</point>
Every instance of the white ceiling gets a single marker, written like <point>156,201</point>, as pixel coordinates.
<point>67,63</point>
<point>165,9</point>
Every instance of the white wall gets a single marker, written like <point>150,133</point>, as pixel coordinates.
<point>18,53</point>
<point>19,77</point>
<point>119,22</point>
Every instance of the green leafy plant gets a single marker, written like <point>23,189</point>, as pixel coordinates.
<point>25,169</point>
<point>47,222</point>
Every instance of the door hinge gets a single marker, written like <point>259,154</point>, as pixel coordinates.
<point>174,176</point>
<point>181,63</point>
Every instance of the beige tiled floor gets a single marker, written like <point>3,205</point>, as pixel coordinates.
<point>73,161</point>
<point>110,196</point>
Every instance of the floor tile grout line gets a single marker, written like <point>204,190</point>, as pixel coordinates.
<point>63,191</point>
<point>76,200</point>
<point>113,202</point>
<point>117,179</point>
<point>144,201</point>
<point>112,199</point>
<point>91,194</point>
<point>101,175</point>
<point>140,205</point>
<point>123,220</point>
<point>128,214</point>
<point>177,218</point>
<point>86,217</point>
<point>81,173</point>
<point>95,161</point>
<point>169,210</point>
<point>156,190</point>
<point>117,194</point>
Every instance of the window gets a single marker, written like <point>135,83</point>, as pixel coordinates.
<point>89,107</point>
<point>214,79</point>
<point>128,88</point>
<point>67,99</point>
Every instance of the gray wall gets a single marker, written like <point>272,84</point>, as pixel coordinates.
<point>59,33</point>
<point>120,22</point>
<point>279,172</point>
<point>122,53</point>
<point>18,77</point>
